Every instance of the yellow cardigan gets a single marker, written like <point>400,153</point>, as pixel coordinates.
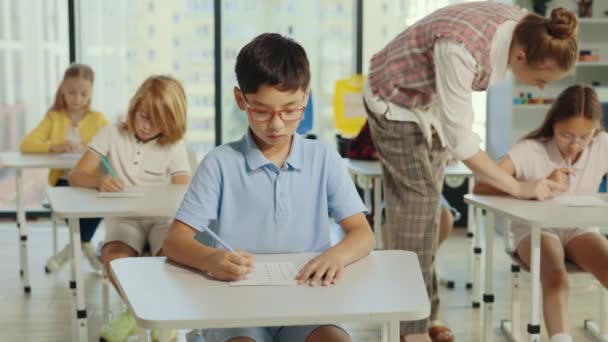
<point>53,130</point>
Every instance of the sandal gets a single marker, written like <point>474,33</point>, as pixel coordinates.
<point>437,332</point>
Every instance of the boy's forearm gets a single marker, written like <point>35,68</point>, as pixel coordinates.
<point>355,245</point>
<point>85,180</point>
<point>185,250</point>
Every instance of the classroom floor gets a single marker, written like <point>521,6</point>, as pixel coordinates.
<point>46,314</point>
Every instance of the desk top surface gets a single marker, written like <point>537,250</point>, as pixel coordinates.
<point>386,285</point>
<point>373,168</point>
<point>544,214</point>
<point>80,202</point>
<point>18,160</point>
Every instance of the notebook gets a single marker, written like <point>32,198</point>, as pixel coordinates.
<point>269,274</point>
<point>582,201</point>
<point>126,193</point>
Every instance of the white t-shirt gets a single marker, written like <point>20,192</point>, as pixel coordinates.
<point>534,159</point>
<point>139,163</point>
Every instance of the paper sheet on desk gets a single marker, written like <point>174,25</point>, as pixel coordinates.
<point>581,201</point>
<point>269,274</point>
<point>126,193</point>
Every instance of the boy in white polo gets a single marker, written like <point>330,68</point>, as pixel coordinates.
<point>145,150</point>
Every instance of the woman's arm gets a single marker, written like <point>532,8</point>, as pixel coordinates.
<point>484,188</point>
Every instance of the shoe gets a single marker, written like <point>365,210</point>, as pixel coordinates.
<point>156,335</point>
<point>90,253</point>
<point>441,333</point>
<point>54,263</point>
<point>119,329</point>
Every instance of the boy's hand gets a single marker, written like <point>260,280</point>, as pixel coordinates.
<point>229,266</point>
<point>327,267</point>
<point>109,184</point>
<point>560,175</point>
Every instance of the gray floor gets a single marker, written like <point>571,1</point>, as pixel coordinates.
<point>46,314</point>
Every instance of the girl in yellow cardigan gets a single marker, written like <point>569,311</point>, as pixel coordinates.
<point>68,127</point>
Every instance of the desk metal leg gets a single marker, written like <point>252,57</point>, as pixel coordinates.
<point>534,326</point>
<point>488,296</point>
<point>476,250</point>
<point>367,192</point>
<point>78,284</point>
<point>378,212</point>
<point>22,227</point>
<point>390,331</point>
<point>470,233</point>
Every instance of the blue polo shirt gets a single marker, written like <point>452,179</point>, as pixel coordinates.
<point>255,206</point>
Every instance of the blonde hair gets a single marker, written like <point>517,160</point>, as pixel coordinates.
<point>551,38</point>
<point>164,99</point>
<point>73,71</point>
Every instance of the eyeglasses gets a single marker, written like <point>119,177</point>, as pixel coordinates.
<point>265,115</point>
<point>571,139</point>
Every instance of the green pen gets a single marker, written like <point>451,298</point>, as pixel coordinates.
<point>106,164</point>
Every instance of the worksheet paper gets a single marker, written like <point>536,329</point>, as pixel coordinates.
<point>582,201</point>
<point>269,274</point>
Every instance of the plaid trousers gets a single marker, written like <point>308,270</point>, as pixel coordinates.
<point>412,174</point>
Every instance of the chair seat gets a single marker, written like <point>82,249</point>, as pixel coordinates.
<point>570,267</point>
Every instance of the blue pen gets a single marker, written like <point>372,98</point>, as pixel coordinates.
<point>217,238</point>
<point>106,164</point>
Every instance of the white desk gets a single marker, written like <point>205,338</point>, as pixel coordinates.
<point>386,286</point>
<point>75,203</point>
<point>537,214</point>
<point>20,161</point>
<point>373,170</point>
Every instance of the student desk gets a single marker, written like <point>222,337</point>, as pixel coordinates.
<point>372,170</point>
<point>537,214</point>
<point>20,161</point>
<point>386,287</point>
<point>73,203</point>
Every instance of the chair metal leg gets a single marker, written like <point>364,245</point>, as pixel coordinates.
<point>598,331</point>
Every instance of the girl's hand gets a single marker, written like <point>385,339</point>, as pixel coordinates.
<point>327,267</point>
<point>561,175</point>
<point>109,184</point>
<point>229,266</point>
<point>541,189</point>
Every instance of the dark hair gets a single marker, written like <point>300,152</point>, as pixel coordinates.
<point>551,38</point>
<point>273,60</point>
<point>576,100</point>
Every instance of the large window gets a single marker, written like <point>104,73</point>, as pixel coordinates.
<point>127,41</point>
<point>33,55</point>
<point>323,27</point>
